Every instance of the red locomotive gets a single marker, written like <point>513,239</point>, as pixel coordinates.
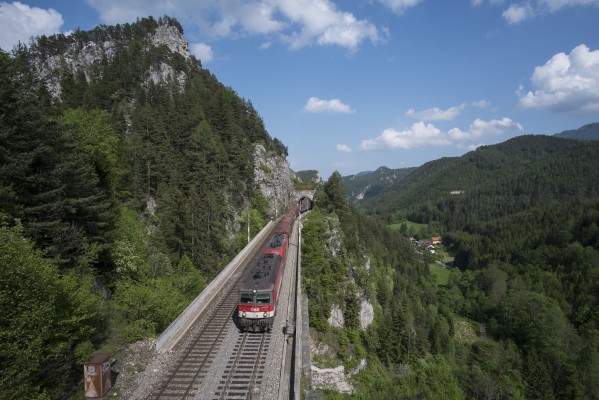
<point>259,294</point>
<point>259,291</point>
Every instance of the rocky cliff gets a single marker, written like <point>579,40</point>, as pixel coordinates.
<point>274,178</point>
<point>80,54</point>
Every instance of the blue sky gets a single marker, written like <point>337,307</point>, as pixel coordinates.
<point>354,85</point>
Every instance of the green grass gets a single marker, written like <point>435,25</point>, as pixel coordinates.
<point>441,274</point>
<point>443,255</point>
<point>409,224</point>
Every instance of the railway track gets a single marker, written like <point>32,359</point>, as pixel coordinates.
<point>188,373</point>
<point>217,361</point>
<point>245,368</point>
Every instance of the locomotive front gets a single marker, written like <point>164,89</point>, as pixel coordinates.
<point>256,310</point>
<point>258,294</point>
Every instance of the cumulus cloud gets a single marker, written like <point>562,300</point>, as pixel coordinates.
<point>316,105</point>
<point>566,83</point>
<point>203,52</point>
<point>320,22</point>
<point>435,113</point>
<point>480,129</point>
<point>517,13</point>
<point>19,22</point>
<point>343,148</point>
<point>298,23</point>
<point>421,134</point>
<point>418,135</point>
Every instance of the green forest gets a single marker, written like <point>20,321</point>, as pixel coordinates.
<point>518,316</point>
<point>118,201</point>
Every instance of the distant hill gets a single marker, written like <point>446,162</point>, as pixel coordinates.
<point>493,181</point>
<point>369,184</point>
<point>586,132</point>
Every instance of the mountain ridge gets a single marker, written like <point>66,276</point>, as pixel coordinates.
<point>585,132</point>
<point>368,184</point>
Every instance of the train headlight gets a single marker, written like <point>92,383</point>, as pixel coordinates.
<point>243,314</point>
<point>265,315</point>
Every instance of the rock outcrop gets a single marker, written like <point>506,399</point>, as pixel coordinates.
<point>77,56</point>
<point>336,319</point>
<point>274,178</point>
<point>331,379</point>
<point>366,314</point>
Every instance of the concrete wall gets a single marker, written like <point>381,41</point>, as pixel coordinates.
<point>181,324</point>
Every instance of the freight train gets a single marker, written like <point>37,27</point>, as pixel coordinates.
<point>259,291</point>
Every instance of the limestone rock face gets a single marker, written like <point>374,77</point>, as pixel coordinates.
<point>331,378</point>
<point>366,314</point>
<point>170,37</point>
<point>77,57</point>
<point>85,57</point>
<point>336,319</point>
<point>274,178</point>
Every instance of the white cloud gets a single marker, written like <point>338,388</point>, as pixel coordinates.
<point>421,134</point>
<point>554,5</point>
<point>480,129</point>
<point>19,22</point>
<point>418,135</point>
<point>320,22</point>
<point>517,13</point>
<point>435,113</point>
<point>316,105</point>
<point>399,6</point>
<point>566,83</point>
<point>343,148</point>
<point>298,23</point>
<point>256,17</point>
<point>203,52</point>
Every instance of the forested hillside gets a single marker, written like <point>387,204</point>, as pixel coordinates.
<point>123,164</point>
<point>521,219</point>
<point>351,261</point>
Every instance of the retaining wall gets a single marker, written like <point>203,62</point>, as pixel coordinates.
<point>181,324</point>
